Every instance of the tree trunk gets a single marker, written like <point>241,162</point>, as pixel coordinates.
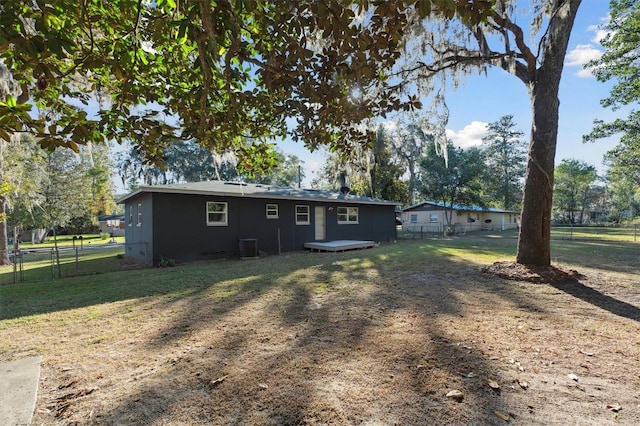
<point>534,242</point>
<point>4,243</point>
<point>535,230</point>
<point>411,166</point>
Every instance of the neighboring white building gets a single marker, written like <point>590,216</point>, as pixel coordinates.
<point>429,216</point>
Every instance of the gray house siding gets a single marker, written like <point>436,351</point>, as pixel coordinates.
<point>138,228</point>
<point>375,222</point>
<point>176,226</point>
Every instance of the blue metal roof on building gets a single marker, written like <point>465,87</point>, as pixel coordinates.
<point>461,207</point>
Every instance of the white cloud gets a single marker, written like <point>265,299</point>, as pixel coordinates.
<point>470,135</point>
<point>580,55</point>
<point>583,53</point>
<point>598,33</point>
<point>313,166</point>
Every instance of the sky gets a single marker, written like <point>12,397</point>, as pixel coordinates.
<point>483,99</point>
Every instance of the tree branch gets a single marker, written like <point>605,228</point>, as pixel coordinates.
<point>528,56</point>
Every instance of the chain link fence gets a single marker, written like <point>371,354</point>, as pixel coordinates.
<point>438,229</point>
<point>629,233</point>
<point>34,265</point>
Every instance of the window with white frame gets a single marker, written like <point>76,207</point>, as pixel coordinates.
<point>302,215</point>
<point>433,217</point>
<point>130,215</point>
<point>217,214</point>
<point>139,214</point>
<point>347,215</point>
<point>272,211</point>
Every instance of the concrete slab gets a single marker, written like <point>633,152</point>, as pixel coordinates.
<point>18,389</point>
<point>339,245</point>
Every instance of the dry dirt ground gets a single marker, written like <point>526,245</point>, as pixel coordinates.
<point>352,343</point>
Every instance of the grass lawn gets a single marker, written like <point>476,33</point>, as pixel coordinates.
<point>378,336</point>
<point>40,263</point>
<point>629,233</point>
<point>69,241</point>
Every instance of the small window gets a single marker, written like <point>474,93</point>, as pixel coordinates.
<point>414,218</point>
<point>216,214</point>
<point>130,215</point>
<point>272,211</point>
<point>139,214</point>
<point>433,217</point>
<point>347,215</point>
<point>302,215</point>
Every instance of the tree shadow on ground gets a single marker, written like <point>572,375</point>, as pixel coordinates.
<point>594,297</point>
<point>341,340</point>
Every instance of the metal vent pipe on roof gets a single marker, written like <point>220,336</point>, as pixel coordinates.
<point>343,183</point>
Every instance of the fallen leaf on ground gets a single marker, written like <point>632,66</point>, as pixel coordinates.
<point>523,385</point>
<point>64,403</point>
<point>68,385</point>
<point>494,385</point>
<point>572,377</point>
<point>614,407</point>
<point>216,382</point>
<point>502,416</point>
<point>75,395</point>
<point>455,394</point>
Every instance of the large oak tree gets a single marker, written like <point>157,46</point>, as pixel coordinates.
<point>536,58</point>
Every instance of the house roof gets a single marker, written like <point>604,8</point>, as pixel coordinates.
<point>105,217</point>
<point>459,207</point>
<point>250,190</point>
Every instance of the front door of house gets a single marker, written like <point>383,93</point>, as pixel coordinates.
<point>320,224</point>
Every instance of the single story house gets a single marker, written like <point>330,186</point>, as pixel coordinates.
<point>113,224</point>
<point>429,216</point>
<point>215,219</point>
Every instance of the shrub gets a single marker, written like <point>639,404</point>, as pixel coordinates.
<point>166,262</point>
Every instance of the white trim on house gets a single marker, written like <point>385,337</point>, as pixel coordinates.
<point>272,211</point>
<point>301,212</point>
<point>347,215</point>
<point>217,216</point>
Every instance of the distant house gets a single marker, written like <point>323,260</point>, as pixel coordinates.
<point>208,220</point>
<point>429,216</point>
<point>113,225</point>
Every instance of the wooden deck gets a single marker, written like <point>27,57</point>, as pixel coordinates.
<point>339,245</point>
